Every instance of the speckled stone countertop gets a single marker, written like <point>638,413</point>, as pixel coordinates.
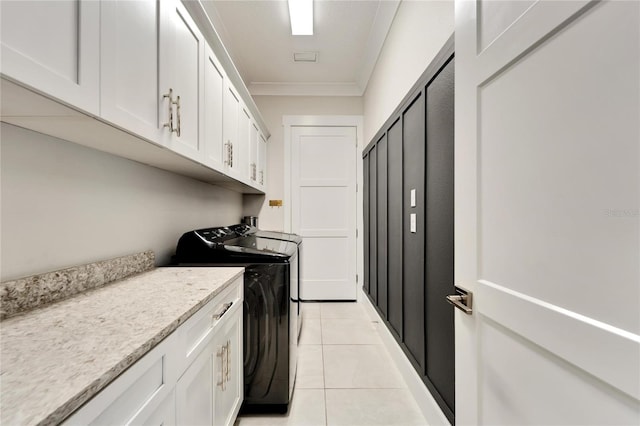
<point>56,358</point>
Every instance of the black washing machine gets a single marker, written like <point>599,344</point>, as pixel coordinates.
<point>247,230</point>
<point>270,313</point>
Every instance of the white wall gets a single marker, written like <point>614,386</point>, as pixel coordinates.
<point>418,32</point>
<point>273,108</point>
<point>64,204</point>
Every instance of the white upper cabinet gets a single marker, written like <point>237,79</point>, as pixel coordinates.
<point>212,137</point>
<point>181,79</point>
<point>262,161</point>
<point>129,80</point>
<point>54,48</point>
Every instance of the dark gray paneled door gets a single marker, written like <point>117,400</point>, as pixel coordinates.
<point>394,258</point>
<point>440,367</point>
<point>382,237</point>
<point>414,237</point>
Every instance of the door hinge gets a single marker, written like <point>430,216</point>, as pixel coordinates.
<point>356,278</point>
<point>356,187</point>
<point>356,233</point>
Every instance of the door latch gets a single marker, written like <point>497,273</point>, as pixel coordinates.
<point>463,300</point>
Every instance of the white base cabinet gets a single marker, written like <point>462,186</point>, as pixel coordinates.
<point>193,377</point>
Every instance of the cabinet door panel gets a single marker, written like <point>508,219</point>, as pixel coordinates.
<point>230,115</point>
<point>413,244</point>
<point>229,369</point>
<point>395,229</point>
<point>195,392</point>
<point>53,47</point>
<point>373,228</point>
<point>129,79</point>
<point>262,161</point>
<point>253,152</point>
<point>241,148</point>
<point>381,213</point>
<point>186,57</point>
<point>213,104</point>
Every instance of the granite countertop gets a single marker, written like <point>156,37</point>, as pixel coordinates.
<point>56,358</point>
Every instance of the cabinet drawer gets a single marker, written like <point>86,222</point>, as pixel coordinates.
<point>198,330</point>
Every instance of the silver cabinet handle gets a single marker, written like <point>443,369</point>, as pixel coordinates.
<point>261,177</point>
<point>177,103</point>
<point>228,377</point>
<point>463,300</point>
<point>227,155</point>
<point>231,153</point>
<point>222,354</point>
<point>222,311</point>
<point>170,123</point>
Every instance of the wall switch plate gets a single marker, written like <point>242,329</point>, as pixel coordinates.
<point>275,203</point>
<point>413,223</point>
<point>413,198</point>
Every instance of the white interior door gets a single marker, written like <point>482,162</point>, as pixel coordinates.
<point>547,223</point>
<point>323,210</point>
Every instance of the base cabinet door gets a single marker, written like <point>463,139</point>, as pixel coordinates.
<point>194,390</point>
<point>53,47</point>
<point>228,370</point>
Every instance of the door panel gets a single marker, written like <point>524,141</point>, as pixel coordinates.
<point>439,238</point>
<point>413,244</point>
<point>395,229</point>
<point>213,114</point>
<point>381,213</point>
<point>373,228</point>
<point>547,195</point>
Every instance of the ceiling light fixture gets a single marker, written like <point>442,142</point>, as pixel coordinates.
<point>301,15</point>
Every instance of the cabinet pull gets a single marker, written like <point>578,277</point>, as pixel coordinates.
<point>223,311</point>
<point>231,153</point>
<point>228,378</point>
<point>170,123</point>
<point>227,155</point>
<point>177,103</point>
<point>261,177</point>
<point>221,353</point>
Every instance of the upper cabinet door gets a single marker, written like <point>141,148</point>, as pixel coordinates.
<point>230,114</point>
<point>253,153</point>
<point>242,149</point>
<point>181,78</point>
<point>129,80</point>
<point>53,47</point>
<point>212,137</point>
<point>262,160</point>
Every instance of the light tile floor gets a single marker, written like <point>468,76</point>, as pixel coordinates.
<point>345,375</point>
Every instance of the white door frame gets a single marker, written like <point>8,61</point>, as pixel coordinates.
<point>357,121</point>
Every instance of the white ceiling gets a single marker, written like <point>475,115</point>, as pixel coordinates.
<point>348,36</point>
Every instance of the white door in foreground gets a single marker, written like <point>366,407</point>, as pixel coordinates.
<point>547,224</point>
<point>323,210</point>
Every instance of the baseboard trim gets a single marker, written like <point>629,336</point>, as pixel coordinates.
<point>430,409</point>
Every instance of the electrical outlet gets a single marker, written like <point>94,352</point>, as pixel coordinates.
<point>275,203</point>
